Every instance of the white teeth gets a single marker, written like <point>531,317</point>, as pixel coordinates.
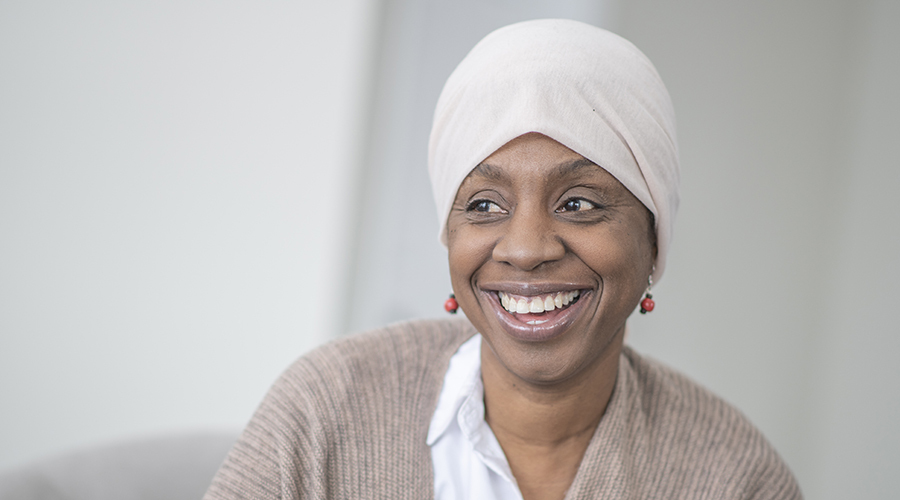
<point>522,307</point>
<point>537,305</point>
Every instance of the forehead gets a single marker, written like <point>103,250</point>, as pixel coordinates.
<point>500,171</point>
<point>534,155</point>
<point>533,148</point>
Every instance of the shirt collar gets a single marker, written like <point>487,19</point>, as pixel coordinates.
<point>462,379</point>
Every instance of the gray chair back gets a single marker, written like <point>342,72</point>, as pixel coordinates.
<point>172,467</point>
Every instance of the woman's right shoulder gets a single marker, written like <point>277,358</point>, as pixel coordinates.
<point>340,405</point>
<point>394,354</point>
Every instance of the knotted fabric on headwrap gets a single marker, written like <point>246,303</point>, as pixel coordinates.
<point>588,89</point>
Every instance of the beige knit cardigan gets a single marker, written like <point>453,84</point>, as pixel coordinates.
<point>349,421</point>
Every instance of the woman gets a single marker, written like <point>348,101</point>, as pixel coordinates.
<point>554,169</point>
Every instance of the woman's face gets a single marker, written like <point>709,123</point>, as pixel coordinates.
<point>549,255</point>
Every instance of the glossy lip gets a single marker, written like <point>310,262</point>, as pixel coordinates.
<point>558,321</point>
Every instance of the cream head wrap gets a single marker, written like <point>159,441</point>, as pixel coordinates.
<point>582,86</point>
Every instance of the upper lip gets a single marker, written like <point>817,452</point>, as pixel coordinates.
<point>528,289</point>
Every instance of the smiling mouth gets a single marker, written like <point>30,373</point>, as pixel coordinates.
<point>537,317</point>
<point>542,313</point>
<point>536,307</point>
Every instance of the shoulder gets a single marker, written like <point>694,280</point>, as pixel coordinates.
<point>401,361</point>
<point>397,351</point>
<point>663,393</point>
<point>700,440</point>
<point>396,341</point>
<point>364,399</point>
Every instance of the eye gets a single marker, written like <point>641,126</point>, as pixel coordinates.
<point>485,206</point>
<point>576,205</point>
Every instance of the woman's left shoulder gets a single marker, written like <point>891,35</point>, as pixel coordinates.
<point>664,392</point>
<point>703,436</point>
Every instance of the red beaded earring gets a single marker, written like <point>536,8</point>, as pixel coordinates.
<point>647,304</point>
<point>451,305</point>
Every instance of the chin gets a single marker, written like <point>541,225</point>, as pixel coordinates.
<point>567,344</point>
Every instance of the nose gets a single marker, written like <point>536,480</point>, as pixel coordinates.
<point>529,240</point>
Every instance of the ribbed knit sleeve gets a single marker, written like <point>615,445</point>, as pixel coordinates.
<point>348,420</point>
<point>665,437</point>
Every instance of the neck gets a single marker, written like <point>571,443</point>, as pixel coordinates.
<point>548,413</point>
<point>544,429</point>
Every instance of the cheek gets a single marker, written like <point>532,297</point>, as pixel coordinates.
<point>619,256</point>
<point>467,252</point>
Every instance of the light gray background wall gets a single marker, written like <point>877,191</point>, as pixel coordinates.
<point>787,239</point>
<point>174,185</point>
<point>165,280</point>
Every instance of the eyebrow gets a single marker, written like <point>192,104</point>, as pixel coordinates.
<point>495,173</point>
<point>572,167</point>
<point>488,171</point>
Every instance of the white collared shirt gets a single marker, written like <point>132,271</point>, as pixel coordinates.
<point>468,460</point>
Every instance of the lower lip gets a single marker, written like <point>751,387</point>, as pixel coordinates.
<point>554,323</point>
